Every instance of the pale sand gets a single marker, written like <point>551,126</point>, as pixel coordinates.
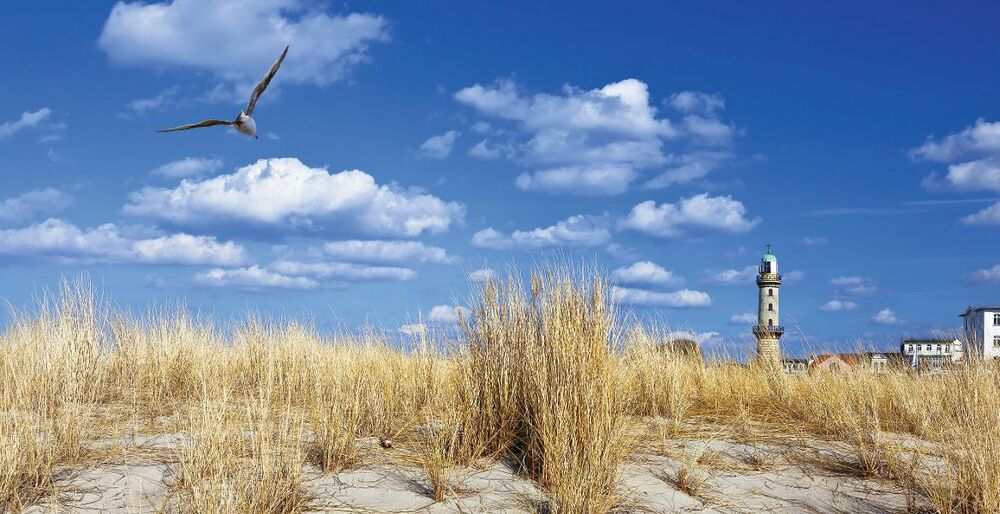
<point>788,478</point>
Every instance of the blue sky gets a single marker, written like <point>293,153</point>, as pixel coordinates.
<point>405,146</point>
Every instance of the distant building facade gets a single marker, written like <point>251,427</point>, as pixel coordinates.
<point>768,330</point>
<point>935,354</point>
<point>982,332</point>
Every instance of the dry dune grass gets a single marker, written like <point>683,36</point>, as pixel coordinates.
<point>545,375</point>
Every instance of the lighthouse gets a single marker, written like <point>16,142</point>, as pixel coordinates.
<point>768,330</point>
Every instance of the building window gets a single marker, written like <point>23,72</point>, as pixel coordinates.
<point>770,306</point>
<point>996,341</point>
<point>770,322</point>
<point>770,292</point>
<point>996,319</point>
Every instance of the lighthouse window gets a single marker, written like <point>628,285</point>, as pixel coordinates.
<point>996,319</point>
<point>770,322</point>
<point>996,341</point>
<point>770,306</point>
<point>770,292</point>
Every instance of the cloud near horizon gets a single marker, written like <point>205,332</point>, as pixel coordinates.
<point>57,239</point>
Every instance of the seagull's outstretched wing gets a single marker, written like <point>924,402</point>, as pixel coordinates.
<point>206,123</point>
<point>262,85</point>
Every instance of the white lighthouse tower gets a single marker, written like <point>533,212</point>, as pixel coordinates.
<point>768,330</point>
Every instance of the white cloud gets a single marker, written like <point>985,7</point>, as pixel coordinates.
<point>645,272</point>
<point>607,179</point>
<point>743,319</point>
<point>38,202</point>
<point>406,252</point>
<point>701,338</point>
<point>982,138</point>
<point>439,147</point>
<point>687,168</point>
<point>577,230</point>
<point>696,102</point>
<point>973,157</point>
<point>341,271</point>
<point>481,275</point>
<point>644,298</point>
<point>413,329</point>
<point>142,105</point>
<point>987,216</point>
<point>621,107</point>
<point>445,314</point>
<point>734,277</point>
<point>598,141</point>
<point>838,306</point>
<point>188,167</point>
<point>107,243</point>
<point>288,194</point>
<point>701,211</point>
<point>814,241</point>
<point>27,120</point>
<point>253,278</point>
<point>986,275</point>
<point>855,286</point>
<point>244,38</point>
<point>886,317</point>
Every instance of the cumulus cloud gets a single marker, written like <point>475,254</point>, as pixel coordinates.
<point>701,338</point>
<point>58,239</point>
<point>838,306</point>
<point>288,194</point>
<point>188,167</point>
<point>645,298</point>
<point>439,147</point>
<point>986,275</point>
<point>576,230</point>
<point>987,216</point>
<point>982,138</point>
<point>721,213</point>
<point>445,314</point>
<point>28,206</point>
<point>599,140</point>
<point>341,271</point>
<point>140,106</point>
<point>696,102</point>
<point>26,121</point>
<point>595,180</point>
<point>253,278</point>
<point>886,317</point>
<point>244,38</point>
<point>413,329</point>
<point>382,251</point>
<point>855,286</point>
<point>973,158</point>
<point>743,319</point>
<point>645,272</point>
<point>481,275</point>
<point>733,277</point>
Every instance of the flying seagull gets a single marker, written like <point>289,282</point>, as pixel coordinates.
<point>243,123</point>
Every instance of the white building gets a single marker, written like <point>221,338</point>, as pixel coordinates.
<point>982,331</point>
<point>934,353</point>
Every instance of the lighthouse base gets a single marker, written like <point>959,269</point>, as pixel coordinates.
<point>768,351</point>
